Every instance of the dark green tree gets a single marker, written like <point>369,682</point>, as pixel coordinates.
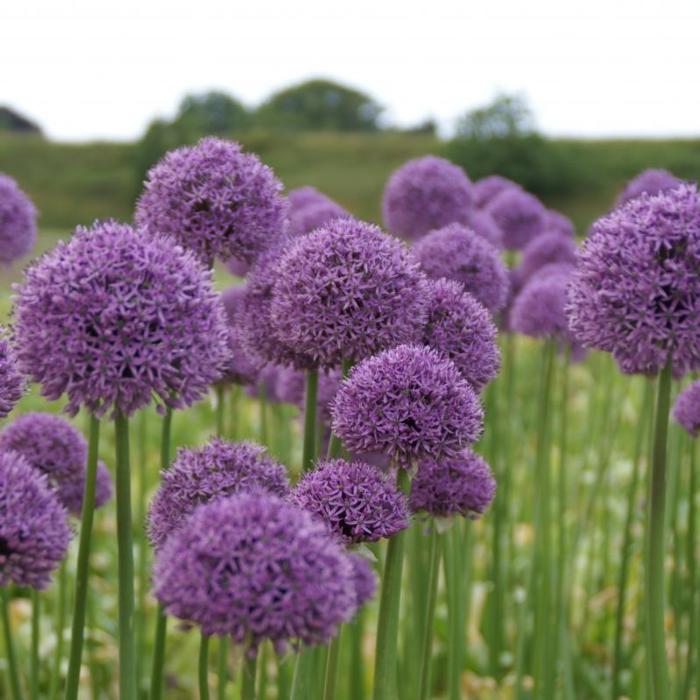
<point>211,113</point>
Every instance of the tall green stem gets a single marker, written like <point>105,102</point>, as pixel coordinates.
<point>388,622</point>
<point>34,656</point>
<point>692,575</point>
<point>127,679</point>
<point>335,444</point>
<point>83,566</point>
<point>427,642</point>
<point>654,573</point>
<point>203,667</point>
<point>10,646</point>
<point>357,667</point>
<point>331,675</point>
<point>302,681</point>
<point>60,636</point>
<point>142,546</point>
<point>248,681</point>
<point>220,404</point>
<point>310,400</point>
<point>222,667</point>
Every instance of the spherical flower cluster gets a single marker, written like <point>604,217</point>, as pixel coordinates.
<point>291,387</point>
<point>346,291</point>
<point>255,567</point>
<point>307,195</point>
<point>636,290</point>
<point>241,367</point>
<point>364,580</point>
<point>113,318</point>
<point>11,381</point>
<point>424,194</point>
<point>539,309</point>
<point>457,253</point>
<point>199,475</point>
<point>356,501</point>
<point>651,181</point>
<point>54,447</point>
<point>461,485</point>
<point>17,221</point>
<point>408,403</point>
<point>489,187</point>
<point>34,532</point>
<point>313,216</point>
<point>556,222</point>
<point>237,267</point>
<point>483,225</point>
<point>461,329</point>
<point>520,215</point>
<point>686,409</point>
<point>213,199</point>
<point>550,247</point>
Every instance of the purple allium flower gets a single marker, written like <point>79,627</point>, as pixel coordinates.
<point>457,253</point>
<point>483,224</point>
<point>301,197</point>
<point>215,200</point>
<point>256,567</point>
<point>357,502</point>
<point>636,289</point>
<point>425,194</point>
<point>313,216</point>
<point>291,387</point>
<point>520,215</point>
<point>651,181</point>
<point>539,308</point>
<point>461,329</point>
<point>364,580</point>
<point>409,403</point>
<point>11,381</point>
<point>686,409</point>
<point>347,291</point>
<point>113,318</point>
<point>550,247</point>
<point>267,383</point>
<point>17,221</point>
<point>51,445</point>
<point>241,367</point>
<point>199,475</point>
<point>556,222</point>
<point>238,268</point>
<point>34,532</point>
<point>490,187</point>
<point>460,485</point>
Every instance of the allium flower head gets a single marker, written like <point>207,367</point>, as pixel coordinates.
<point>364,580</point>
<point>256,567</point>
<point>291,387</point>
<point>11,381</point>
<point>457,253</point>
<point>113,319</point>
<point>199,475</point>
<point>539,308</point>
<point>461,485</point>
<point>17,221</point>
<point>556,222</point>
<point>483,225</point>
<point>238,268</point>
<point>520,215</point>
<point>408,403</point>
<point>651,181</point>
<point>52,446</point>
<point>461,329</point>
<point>357,502</point>
<point>686,409</point>
<point>490,187</point>
<point>425,194</point>
<point>550,247</point>
<point>636,290</point>
<point>241,367</point>
<point>214,200</point>
<point>313,216</point>
<point>346,291</point>
<point>34,532</point>
<point>301,197</point>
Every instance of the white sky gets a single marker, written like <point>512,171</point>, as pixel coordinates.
<point>104,68</point>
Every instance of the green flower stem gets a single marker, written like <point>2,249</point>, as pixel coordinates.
<point>335,445</point>
<point>388,622</point>
<point>222,667</point>
<point>310,401</point>
<point>220,404</point>
<point>248,681</point>
<point>427,641</point>
<point>161,619</point>
<point>127,678</point>
<point>262,402</point>
<point>203,667</point>
<point>142,548</point>
<point>60,636</point>
<point>654,570</point>
<point>303,680</point>
<point>691,560</point>
<point>357,665</point>
<point>10,646</point>
<point>83,566</point>
<point>34,655</point>
<point>331,674</point>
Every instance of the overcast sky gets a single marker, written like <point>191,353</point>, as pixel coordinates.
<point>104,68</point>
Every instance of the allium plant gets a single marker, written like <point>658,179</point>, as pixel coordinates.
<point>215,200</point>
<point>556,222</point>
<point>482,224</point>
<point>550,247</point>
<point>651,181</point>
<point>11,381</point>
<point>241,367</point>
<point>304,196</point>
<point>17,221</point>
<point>520,215</point>
<point>312,216</point>
<point>489,187</point>
<point>686,409</point>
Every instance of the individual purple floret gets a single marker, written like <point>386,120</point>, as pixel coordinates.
<point>408,403</point>
<point>291,386</point>
<point>425,194</point>
<point>483,224</point>
<point>651,181</point>
<point>636,289</point>
<point>457,253</point>
<point>17,221</point>
<point>461,329</point>
<point>114,319</point>
<point>199,475</point>
<point>357,502</point>
<point>461,485</point>
<point>241,367</point>
<point>11,381</point>
<point>556,222</point>
<point>34,532</point>
<point>214,200</point>
<point>520,215</point>
<point>550,247</point>
<point>313,216</point>
<point>490,187</point>
<point>347,291</point>
<point>686,410</point>
<point>256,567</point>
<point>364,579</point>
<point>51,445</point>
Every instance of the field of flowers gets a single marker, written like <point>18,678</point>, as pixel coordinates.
<point>253,446</point>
